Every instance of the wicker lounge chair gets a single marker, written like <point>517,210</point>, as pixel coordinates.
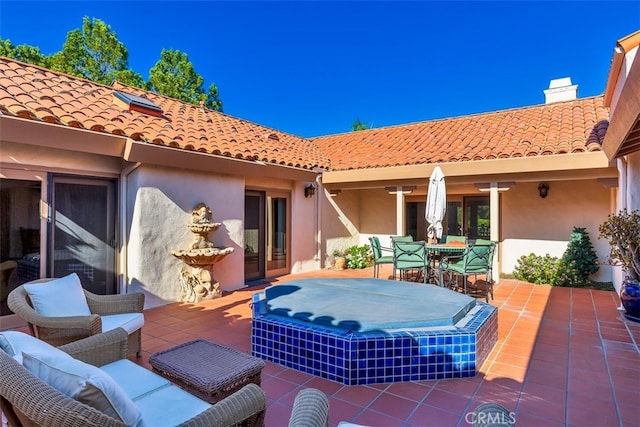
<point>62,330</point>
<point>27,400</point>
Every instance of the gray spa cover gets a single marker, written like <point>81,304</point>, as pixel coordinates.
<point>363,305</point>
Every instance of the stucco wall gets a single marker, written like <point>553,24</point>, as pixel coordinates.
<point>340,220</point>
<point>633,181</point>
<point>531,224</point>
<point>378,217</point>
<point>159,204</point>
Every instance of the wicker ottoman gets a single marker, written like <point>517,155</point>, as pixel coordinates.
<point>207,370</point>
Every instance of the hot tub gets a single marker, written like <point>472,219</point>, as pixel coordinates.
<point>362,331</point>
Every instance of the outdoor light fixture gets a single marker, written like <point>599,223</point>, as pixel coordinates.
<point>543,189</point>
<point>309,190</point>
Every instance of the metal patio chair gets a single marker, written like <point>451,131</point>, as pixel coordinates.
<point>409,257</point>
<point>378,258</point>
<point>477,259</point>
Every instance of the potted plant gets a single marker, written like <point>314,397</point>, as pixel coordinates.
<point>623,232</point>
<point>339,260</point>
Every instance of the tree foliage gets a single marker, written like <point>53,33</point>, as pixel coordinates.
<point>581,252</point>
<point>174,75</point>
<point>358,125</point>
<point>94,52</point>
<point>24,53</point>
<point>622,230</point>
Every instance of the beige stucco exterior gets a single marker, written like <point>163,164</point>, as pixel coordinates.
<point>528,223</point>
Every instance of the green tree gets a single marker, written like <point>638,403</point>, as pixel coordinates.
<point>23,53</point>
<point>174,75</point>
<point>358,125</point>
<point>95,53</point>
<point>581,252</point>
<point>131,78</point>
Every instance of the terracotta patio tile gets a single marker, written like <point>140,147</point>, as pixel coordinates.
<point>359,395</point>
<point>328,387</point>
<point>394,406</point>
<point>294,376</point>
<point>277,414</point>
<point>526,419</point>
<point>433,416</point>
<point>630,413</point>
<point>276,387</point>
<point>545,409</point>
<point>590,411</point>
<point>498,370</point>
<point>373,418</point>
<point>561,354</point>
<point>340,410</point>
<point>415,391</point>
<point>445,400</point>
<point>463,387</point>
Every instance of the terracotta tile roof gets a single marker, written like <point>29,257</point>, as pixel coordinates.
<point>39,94</point>
<point>559,128</point>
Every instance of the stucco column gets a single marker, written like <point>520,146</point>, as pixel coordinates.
<point>494,218</point>
<point>399,212</point>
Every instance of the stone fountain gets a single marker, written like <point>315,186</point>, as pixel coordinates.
<point>196,280</point>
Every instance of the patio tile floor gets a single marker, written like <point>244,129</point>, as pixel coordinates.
<point>564,357</point>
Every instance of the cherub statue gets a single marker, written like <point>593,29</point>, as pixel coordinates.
<point>201,214</point>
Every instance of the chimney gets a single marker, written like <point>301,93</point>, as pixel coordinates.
<point>560,90</point>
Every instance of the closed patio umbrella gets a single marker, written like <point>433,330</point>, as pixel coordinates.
<point>436,203</point>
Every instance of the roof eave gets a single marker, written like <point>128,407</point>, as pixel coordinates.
<point>559,166</point>
<point>194,160</point>
<point>26,131</point>
<point>623,133</point>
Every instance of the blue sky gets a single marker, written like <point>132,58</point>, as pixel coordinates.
<point>312,68</point>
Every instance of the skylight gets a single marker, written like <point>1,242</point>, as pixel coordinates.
<point>138,103</point>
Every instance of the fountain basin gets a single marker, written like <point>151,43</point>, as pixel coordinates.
<point>202,257</point>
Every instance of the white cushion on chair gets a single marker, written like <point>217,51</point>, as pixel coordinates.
<point>14,343</point>
<point>84,383</point>
<point>130,322</point>
<point>59,297</point>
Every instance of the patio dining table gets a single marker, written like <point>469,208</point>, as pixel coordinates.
<point>435,249</point>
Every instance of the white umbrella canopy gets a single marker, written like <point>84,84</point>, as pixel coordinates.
<point>436,203</point>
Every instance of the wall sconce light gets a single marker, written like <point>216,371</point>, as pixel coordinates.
<point>309,190</point>
<point>543,189</point>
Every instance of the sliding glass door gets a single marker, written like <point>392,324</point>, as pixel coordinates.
<point>266,235</point>
<point>83,231</point>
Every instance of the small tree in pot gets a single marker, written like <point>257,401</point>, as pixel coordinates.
<point>623,232</point>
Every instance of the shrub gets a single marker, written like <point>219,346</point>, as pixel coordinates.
<point>358,256</point>
<point>580,251</point>
<point>548,270</point>
<point>534,268</point>
<point>567,274</point>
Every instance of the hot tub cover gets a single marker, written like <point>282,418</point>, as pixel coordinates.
<point>363,305</point>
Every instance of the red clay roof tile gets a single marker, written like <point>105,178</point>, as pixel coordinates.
<point>35,93</point>
<point>563,127</point>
